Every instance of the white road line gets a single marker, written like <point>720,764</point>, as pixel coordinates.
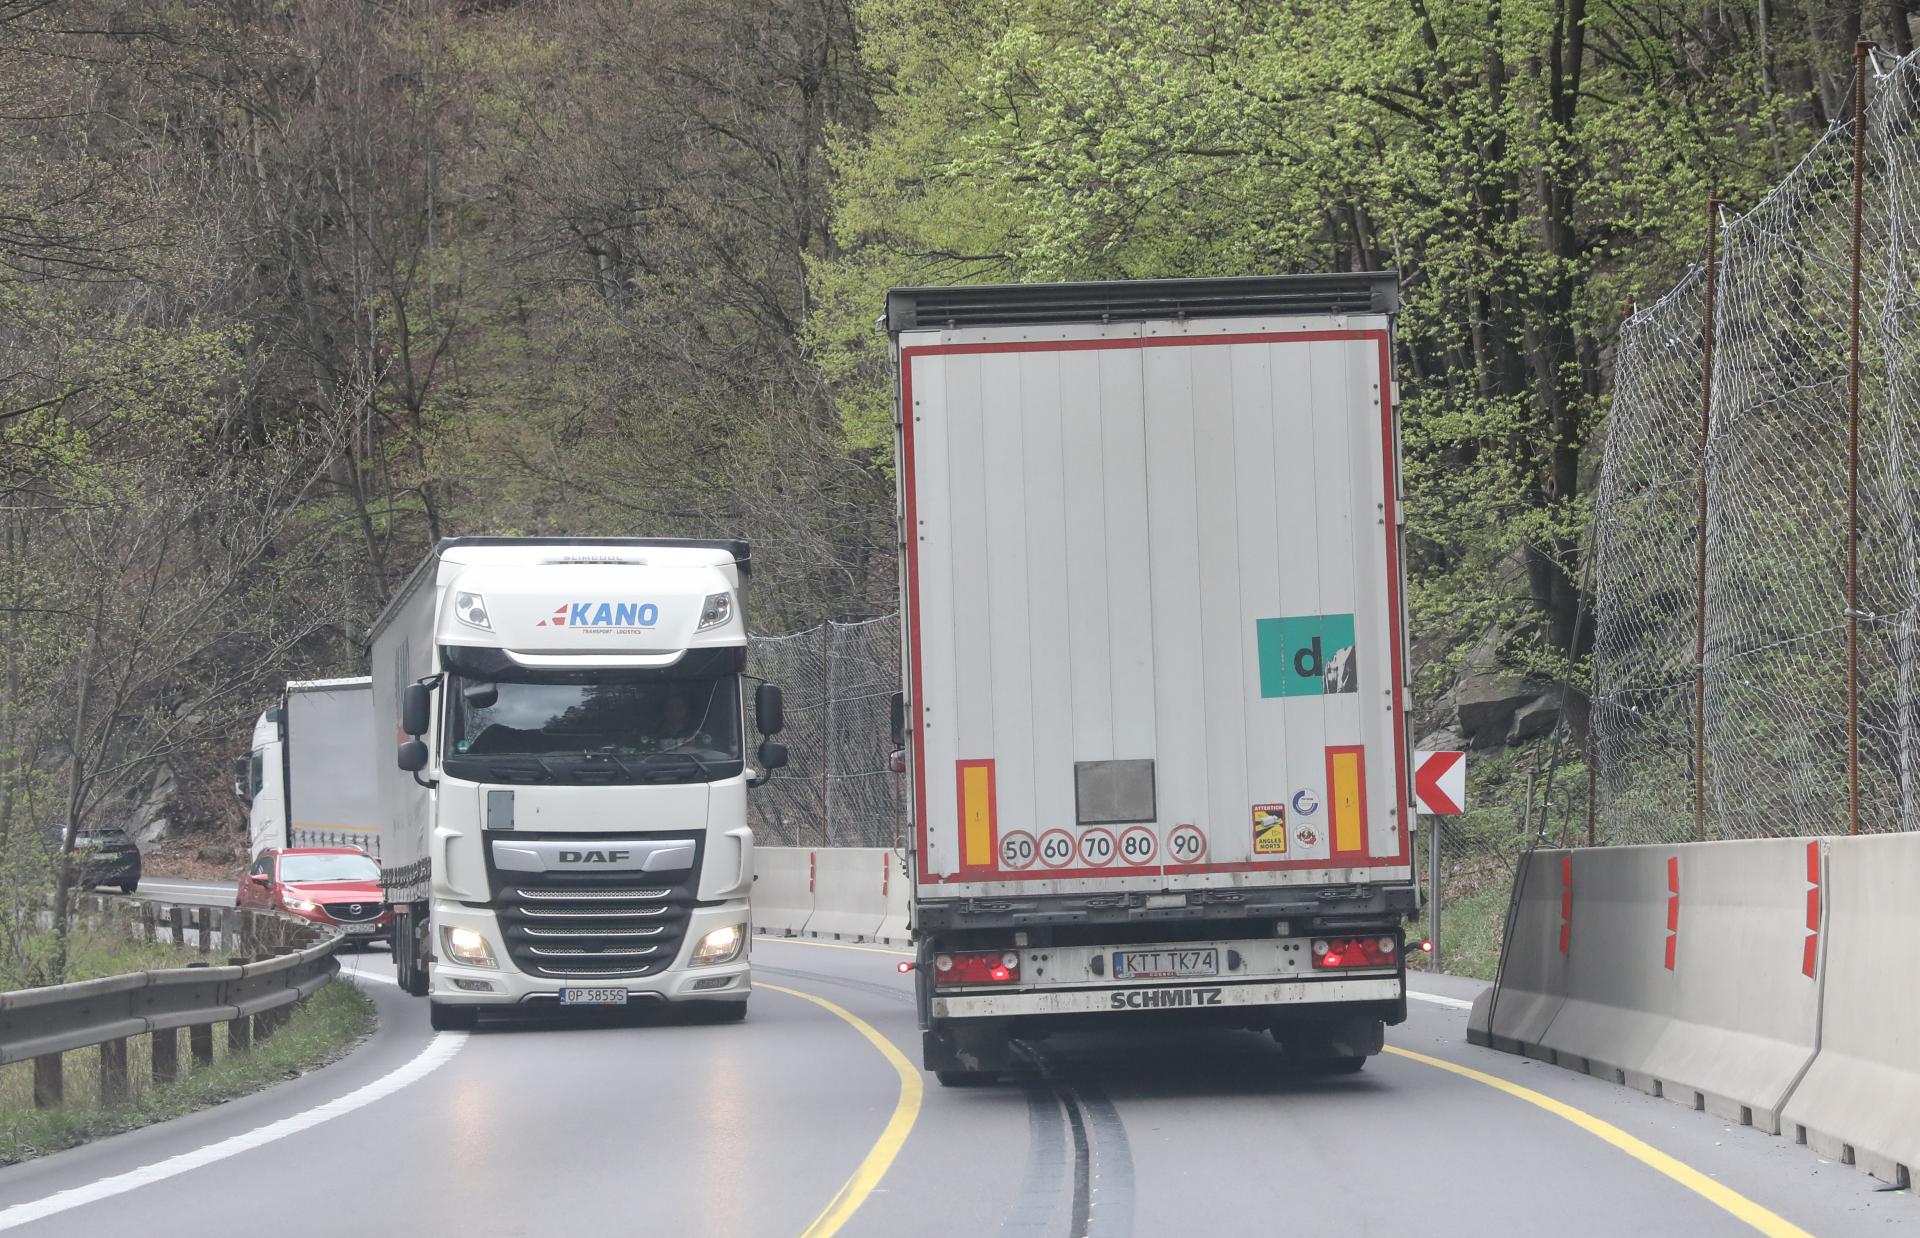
<point>1452,1003</point>
<point>441,1048</point>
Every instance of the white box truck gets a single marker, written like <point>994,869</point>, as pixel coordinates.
<point>566,815</point>
<point>1155,707</point>
<point>308,780</point>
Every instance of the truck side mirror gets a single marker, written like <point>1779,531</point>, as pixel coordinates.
<point>241,773</point>
<point>413,756</point>
<point>770,713</point>
<point>416,709</point>
<point>772,756</point>
<point>899,720</point>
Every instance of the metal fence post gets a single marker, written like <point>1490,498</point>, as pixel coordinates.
<point>114,1085</point>
<point>1700,530</point>
<point>1860,49</point>
<point>166,1056</point>
<point>206,931</point>
<point>49,1084</point>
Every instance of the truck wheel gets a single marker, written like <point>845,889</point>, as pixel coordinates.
<point>445,1018</point>
<point>727,1012</point>
<point>965,1078</point>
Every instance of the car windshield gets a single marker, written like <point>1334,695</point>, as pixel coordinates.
<point>563,725</point>
<point>320,868</point>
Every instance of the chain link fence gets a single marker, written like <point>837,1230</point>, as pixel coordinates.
<point>1728,670</point>
<point>839,788</point>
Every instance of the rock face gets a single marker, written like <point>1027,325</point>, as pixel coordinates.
<point>1486,703</point>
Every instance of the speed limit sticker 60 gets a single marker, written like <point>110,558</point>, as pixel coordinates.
<point>1056,848</point>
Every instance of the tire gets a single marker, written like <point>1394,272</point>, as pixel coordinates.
<point>965,1078</point>
<point>728,1012</point>
<point>1335,1065</point>
<point>445,1018</point>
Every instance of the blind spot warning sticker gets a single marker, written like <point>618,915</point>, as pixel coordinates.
<point>1269,829</point>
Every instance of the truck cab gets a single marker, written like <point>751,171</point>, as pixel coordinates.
<point>566,817</point>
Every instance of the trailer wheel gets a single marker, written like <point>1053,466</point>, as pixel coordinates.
<point>965,1078</point>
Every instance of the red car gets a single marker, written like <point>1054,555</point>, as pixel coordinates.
<point>337,886</point>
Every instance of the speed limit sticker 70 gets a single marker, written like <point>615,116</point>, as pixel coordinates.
<point>1096,848</point>
<point>1187,845</point>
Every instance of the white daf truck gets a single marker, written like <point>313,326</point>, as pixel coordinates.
<point>1155,667</point>
<point>566,810</point>
<point>307,780</point>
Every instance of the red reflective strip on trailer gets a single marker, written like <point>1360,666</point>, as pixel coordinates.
<point>1813,864</point>
<point>1671,943</point>
<point>1810,958</point>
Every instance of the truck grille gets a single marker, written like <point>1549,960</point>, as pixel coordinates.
<point>588,926</point>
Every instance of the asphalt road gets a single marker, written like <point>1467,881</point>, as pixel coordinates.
<point>658,1126</point>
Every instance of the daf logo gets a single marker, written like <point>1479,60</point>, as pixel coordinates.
<point>595,857</point>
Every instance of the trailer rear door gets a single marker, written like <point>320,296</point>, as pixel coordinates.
<point>1154,604</point>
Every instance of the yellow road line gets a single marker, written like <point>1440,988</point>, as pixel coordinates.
<point>879,1159</point>
<point>833,945</point>
<point>1700,1184</point>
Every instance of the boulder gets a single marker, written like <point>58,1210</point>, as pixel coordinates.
<point>156,830</point>
<point>1486,702</point>
<point>1535,718</point>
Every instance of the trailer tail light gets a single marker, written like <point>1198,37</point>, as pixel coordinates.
<point>977,967</point>
<point>1339,953</point>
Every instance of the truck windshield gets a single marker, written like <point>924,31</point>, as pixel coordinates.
<point>602,725</point>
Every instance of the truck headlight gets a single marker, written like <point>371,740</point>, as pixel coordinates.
<point>722,945</point>
<point>716,610</point>
<point>466,946</point>
<point>471,609</point>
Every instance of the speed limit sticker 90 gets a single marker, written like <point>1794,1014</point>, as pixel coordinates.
<point>1187,845</point>
<point>1096,848</point>
<point>1018,850</point>
<point>1056,849</point>
<point>1138,846</point>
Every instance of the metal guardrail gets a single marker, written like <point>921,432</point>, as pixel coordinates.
<point>279,960</point>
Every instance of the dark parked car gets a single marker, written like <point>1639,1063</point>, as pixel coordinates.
<point>106,856</point>
<point>335,886</point>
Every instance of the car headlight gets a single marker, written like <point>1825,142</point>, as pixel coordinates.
<point>300,904</point>
<point>716,610</point>
<point>471,609</point>
<point>466,946</point>
<point>722,945</point>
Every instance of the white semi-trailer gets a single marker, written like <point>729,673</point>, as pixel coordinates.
<point>566,821</point>
<point>1155,667</point>
<point>308,780</point>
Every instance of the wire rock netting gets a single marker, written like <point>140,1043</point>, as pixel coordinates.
<point>1775,666</point>
<point>839,788</point>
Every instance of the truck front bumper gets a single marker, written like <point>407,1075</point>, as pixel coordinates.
<point>456,984</point>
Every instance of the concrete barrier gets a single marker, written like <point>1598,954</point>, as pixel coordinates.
<point>1745,1010</point>
<point>848,903</point>
<point>782,890</point>
<point>1685,972</point>
<point>1533,978</point>
<point>1860,1100</point>
<point>895,928</point>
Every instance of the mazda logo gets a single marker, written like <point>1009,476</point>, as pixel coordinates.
<point>355,909</point>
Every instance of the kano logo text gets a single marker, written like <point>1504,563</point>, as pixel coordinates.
<point>629,615</point>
